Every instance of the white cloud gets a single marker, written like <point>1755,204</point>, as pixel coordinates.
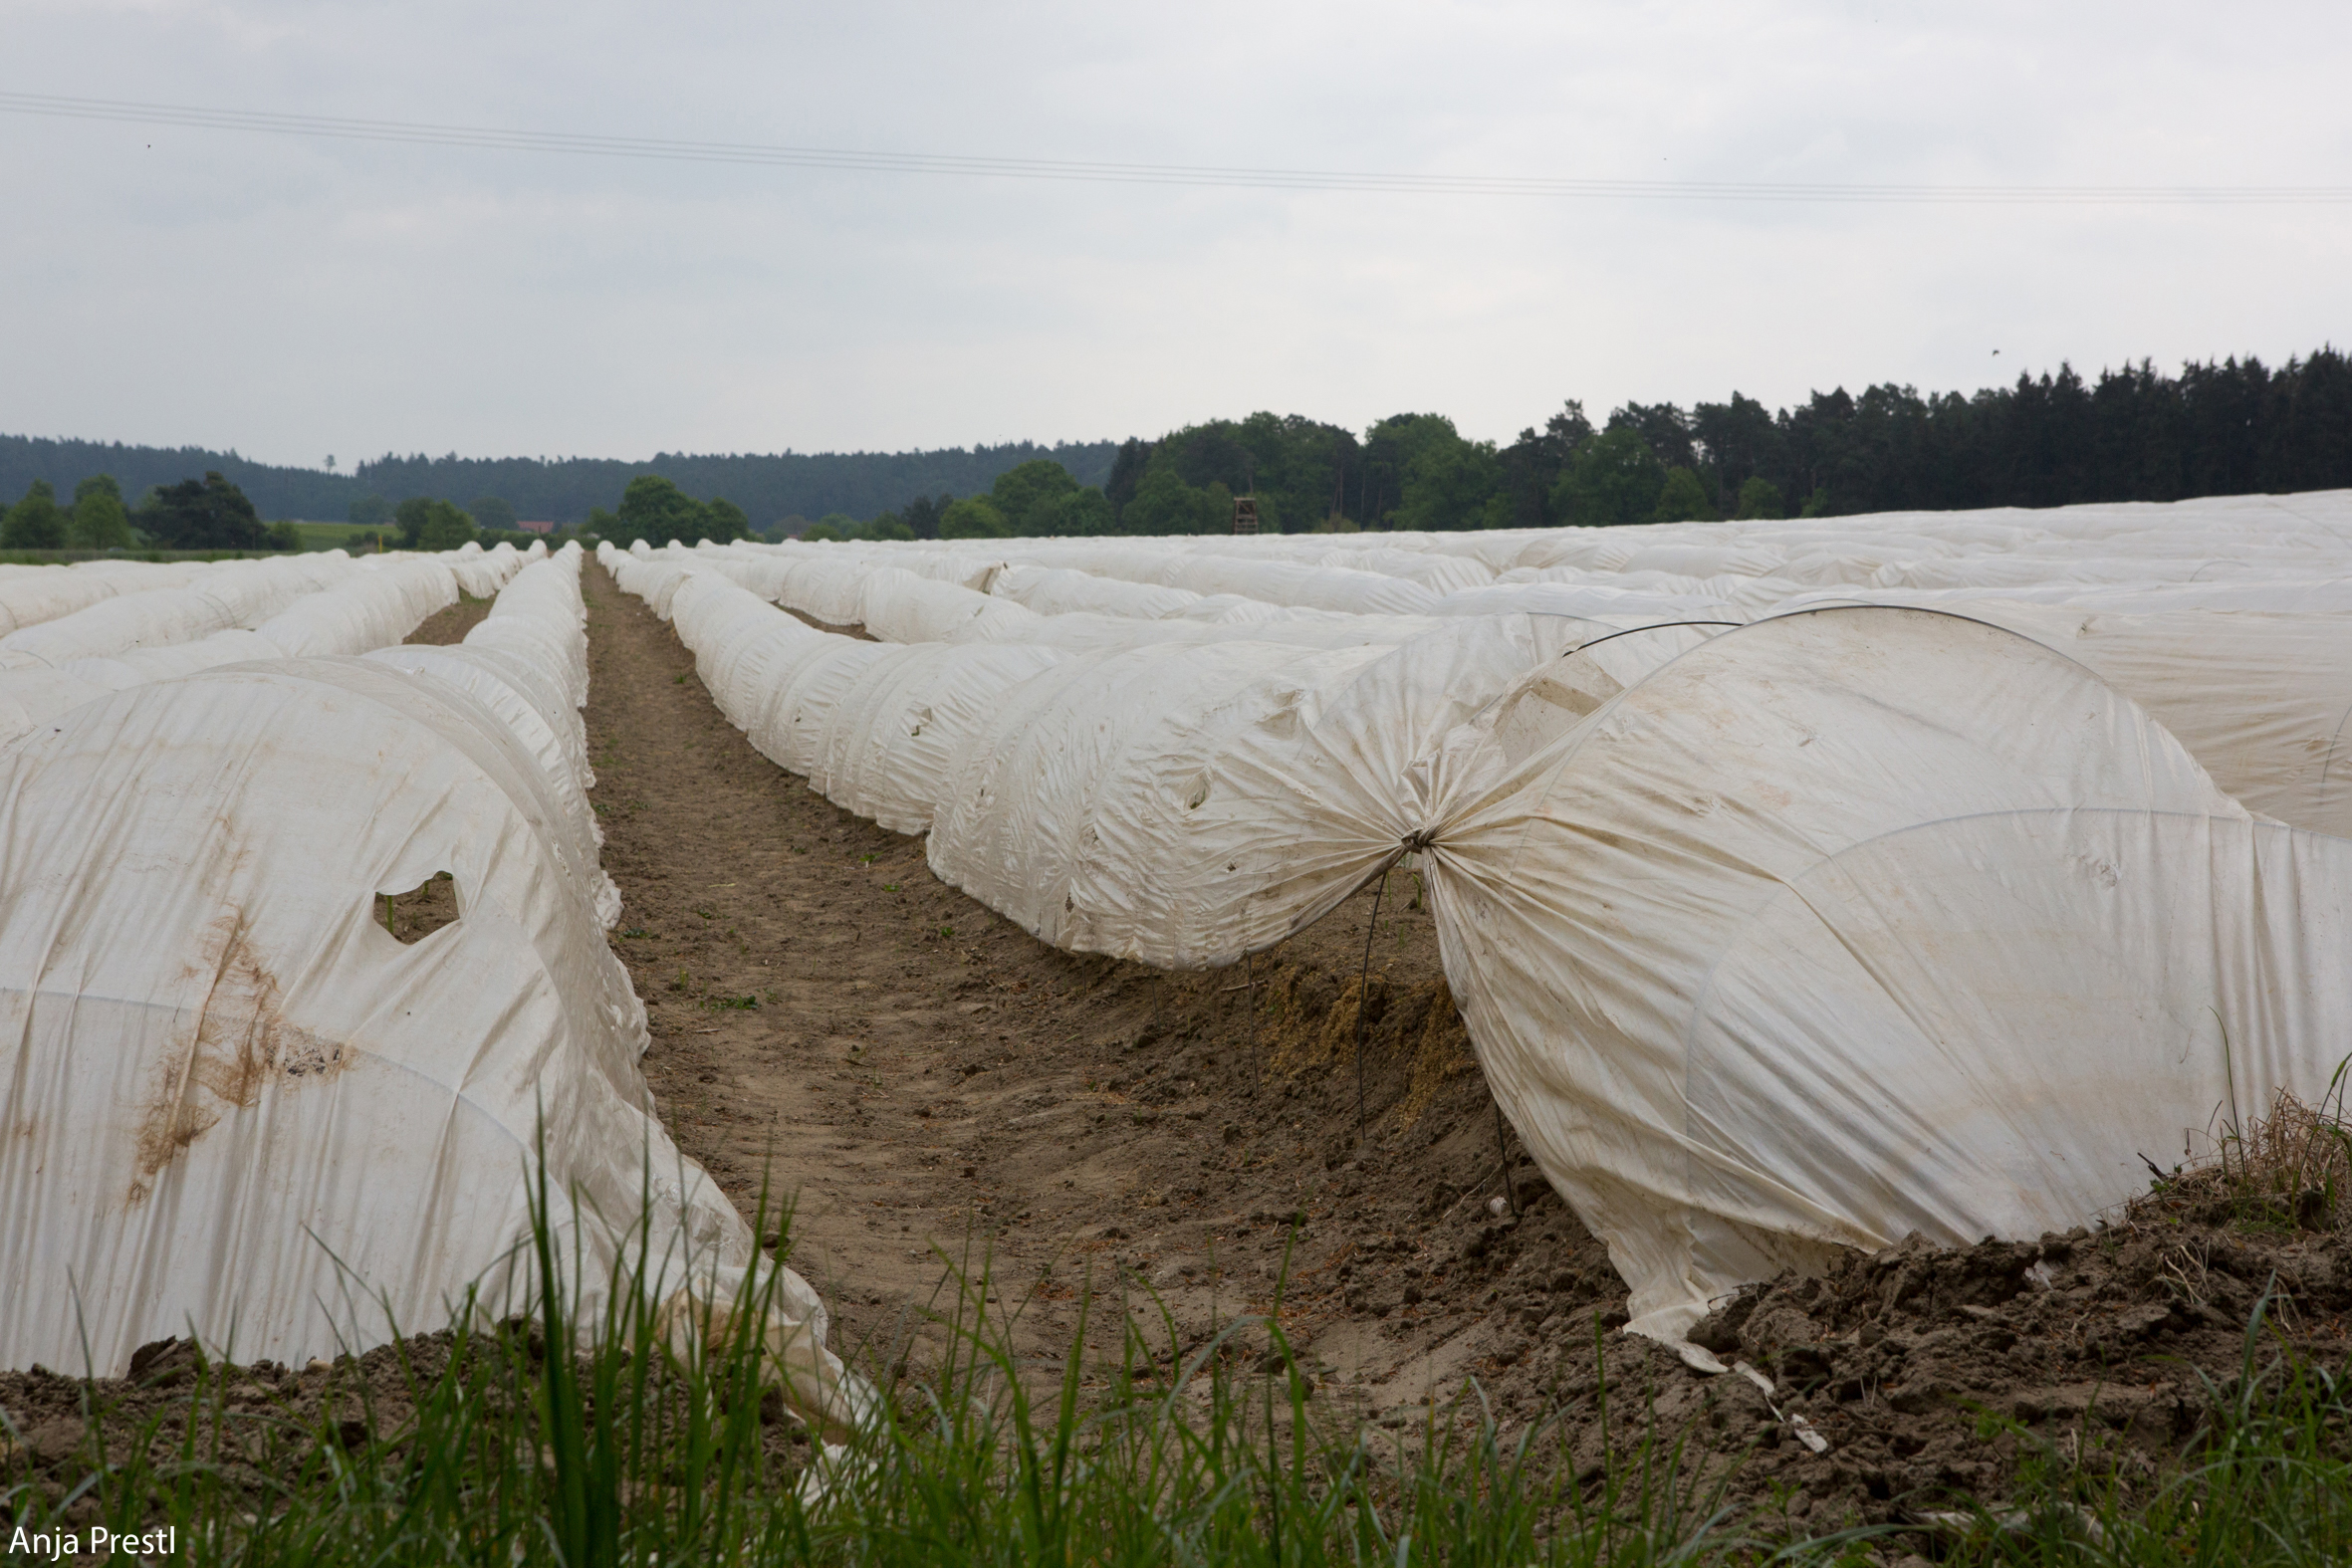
<point>294,296</point>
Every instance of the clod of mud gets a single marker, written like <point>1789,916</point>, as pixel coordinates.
<point>1932,1374</point>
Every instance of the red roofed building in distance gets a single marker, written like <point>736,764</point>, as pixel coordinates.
<point>536,527</point>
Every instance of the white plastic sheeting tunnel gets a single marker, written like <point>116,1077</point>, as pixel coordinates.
<point>1773,934</point>
<point>238,1104</point>
<point>1863,922</point>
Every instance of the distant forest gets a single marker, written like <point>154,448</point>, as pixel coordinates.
<point>2131,434</point>
<point>557,490</point>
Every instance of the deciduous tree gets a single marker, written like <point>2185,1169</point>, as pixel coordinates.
<point>974,517</point>
<point>659,510</point>
<point>722,520</point>
<point>410,514</point>
<point>444,527</point>
<point>1027,495</point>
<point>1082,514</point>
<point>1448,482</point>
<point>1760,498</point>
<point>1683,500</point>
<point>201,513</point>
<point>1166,505</point>
<point>1615,479</point>
<point>36,522</point>
<point>101,520</point>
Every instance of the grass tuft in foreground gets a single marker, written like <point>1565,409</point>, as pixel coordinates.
<point>487,1444</point>
<point>2286,1170</point>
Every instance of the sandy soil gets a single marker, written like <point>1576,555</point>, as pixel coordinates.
<point>444,627</point>
<point>926,1079</point>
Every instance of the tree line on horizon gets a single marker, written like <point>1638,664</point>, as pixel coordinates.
<point>2133,434</point>
<point>563,491</point>
<point>652,508</point>
<point>195,514</point>
<point>213,514</point>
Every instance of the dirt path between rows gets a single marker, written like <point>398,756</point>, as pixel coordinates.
<point>923,1075</point>
<point>446,627</point>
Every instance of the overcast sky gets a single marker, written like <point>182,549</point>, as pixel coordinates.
<point>294,296</point>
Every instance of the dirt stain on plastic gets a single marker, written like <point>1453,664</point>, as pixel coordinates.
<point>240,1042</point>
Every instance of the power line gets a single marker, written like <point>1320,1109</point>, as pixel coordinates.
<point>756,155</point>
